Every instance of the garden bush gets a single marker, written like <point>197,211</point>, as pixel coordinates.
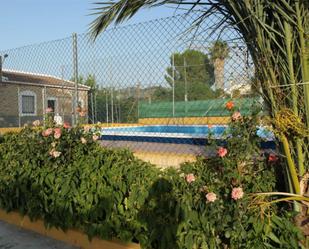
<point>63,176</point>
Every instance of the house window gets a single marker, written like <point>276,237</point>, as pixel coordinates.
<point>51,103</point>
<point>27,102</point>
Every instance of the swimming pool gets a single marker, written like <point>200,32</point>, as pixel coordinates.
<point>184,134</point>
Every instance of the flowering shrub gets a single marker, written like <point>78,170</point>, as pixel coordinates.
<point>220,209</point>
<point>63,175</point>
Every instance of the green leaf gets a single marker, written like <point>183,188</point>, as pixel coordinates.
<point>274,238</point>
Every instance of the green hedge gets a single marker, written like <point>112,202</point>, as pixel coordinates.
<point>111,194</point>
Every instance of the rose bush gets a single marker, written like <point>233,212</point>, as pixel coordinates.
<point>63,176</point>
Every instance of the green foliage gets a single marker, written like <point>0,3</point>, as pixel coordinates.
<point>228,223</point>
<point>111,194</point>
<point>88,187</point>
<point>219,50</point>
<point>193,75</point>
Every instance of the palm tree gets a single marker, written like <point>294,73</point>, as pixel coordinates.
<point>275,33</point>
<point>218,53</point>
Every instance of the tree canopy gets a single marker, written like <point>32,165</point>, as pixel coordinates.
<point>193,75</point>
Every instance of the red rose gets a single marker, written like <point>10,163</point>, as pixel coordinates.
<point>272,158</point>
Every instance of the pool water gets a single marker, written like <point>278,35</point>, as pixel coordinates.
<point>185,134</point>
<point>167,131</point>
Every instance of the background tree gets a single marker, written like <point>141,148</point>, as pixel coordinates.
<point>193,75</point>
<point>91,82</point>
<point>101,107</point>
<point>219,52</point>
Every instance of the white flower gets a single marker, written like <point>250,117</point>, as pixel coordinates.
<point>95,137</point>
<point>87,128</point>
<point>83,140</point>
<point>55,153</point>
<point>36,123</point>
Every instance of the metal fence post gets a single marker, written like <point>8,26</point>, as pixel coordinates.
<point>0,68</point>
<point>106,105</point>
<point>75,72</point>
<point>173,75</point>
<point>92,105</point>
<point>43,104</point>
<point>112,105</point>
<point>19,107</point>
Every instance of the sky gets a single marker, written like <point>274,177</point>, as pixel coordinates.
<point>24,22</point>
<point>137,53</point>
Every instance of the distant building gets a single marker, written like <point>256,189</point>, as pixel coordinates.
<point>242,89</point>
<point>25,96</point>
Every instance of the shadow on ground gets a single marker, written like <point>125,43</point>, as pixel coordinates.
<point>12,237</point>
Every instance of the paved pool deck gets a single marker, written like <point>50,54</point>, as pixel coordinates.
<point>162,154</point>
<point>168,148</point>
<point>13,237</point>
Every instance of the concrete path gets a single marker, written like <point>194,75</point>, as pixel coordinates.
<point>13,237</point>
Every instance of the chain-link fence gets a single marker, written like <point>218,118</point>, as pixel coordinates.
<point>159,86</point>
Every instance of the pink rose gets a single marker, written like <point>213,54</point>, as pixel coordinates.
<point>83,140</point>
<point>222,152</point>
<point>47,132</point>
<point>36,123</point>
<point>190,178</point>
<point>236,116</point>
<point>57,133</point>
<point>66,125</point>
<point>49,110</point>
<point>95,137</point>
<point>237,193</point>
<point>82,114</point>
<point>211,197</point>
